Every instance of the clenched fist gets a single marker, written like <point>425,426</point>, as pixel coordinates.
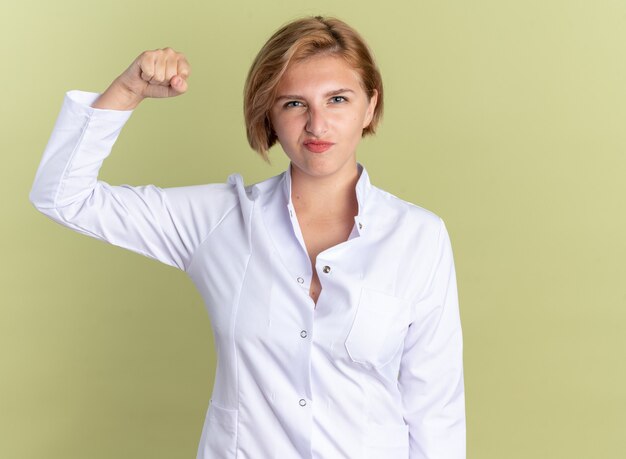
<point>157,73</point>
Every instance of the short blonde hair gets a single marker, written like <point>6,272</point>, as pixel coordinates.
<point>295,42</point>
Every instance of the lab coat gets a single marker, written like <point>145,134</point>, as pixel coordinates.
<point>374,370</point>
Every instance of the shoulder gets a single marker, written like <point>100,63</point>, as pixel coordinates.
<point>227,194</point>
<point>220,194</point>
<point>398,211</point>
<point>201,209</point>
<point>262,188</point>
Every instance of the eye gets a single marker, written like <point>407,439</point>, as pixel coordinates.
<point>293,103</point>
<point>338,99</point>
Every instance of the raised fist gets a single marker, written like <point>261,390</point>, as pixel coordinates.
<point>158,73</point>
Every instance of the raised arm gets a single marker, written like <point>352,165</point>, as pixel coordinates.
<point>164,224</point>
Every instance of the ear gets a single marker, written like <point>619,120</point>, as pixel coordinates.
<point>371,107</point>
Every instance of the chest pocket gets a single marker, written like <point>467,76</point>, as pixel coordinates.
<point>378,329</point>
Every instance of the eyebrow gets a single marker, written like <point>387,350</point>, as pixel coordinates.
<point>328,94</point>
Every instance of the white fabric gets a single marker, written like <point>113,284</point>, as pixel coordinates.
<point>373,371</point>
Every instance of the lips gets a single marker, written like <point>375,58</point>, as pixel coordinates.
<point>317,146</point>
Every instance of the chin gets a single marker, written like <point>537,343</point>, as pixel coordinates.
<point>322,170</point>
<point>322,164</point>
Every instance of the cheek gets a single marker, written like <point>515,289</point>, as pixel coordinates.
<point>357,125</point>
<point>277,125</point>
<point>283,133</point>
<point>289,126</point>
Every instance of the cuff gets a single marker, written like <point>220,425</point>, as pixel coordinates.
<point>79,103</point>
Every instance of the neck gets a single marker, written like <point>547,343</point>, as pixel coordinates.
<point>325,196</point>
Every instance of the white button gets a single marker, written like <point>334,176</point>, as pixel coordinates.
<point>303,333</point>
<point>300,280</point>
<point>302,402</point>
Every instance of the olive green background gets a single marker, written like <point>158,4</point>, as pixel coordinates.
<point>505,118</point>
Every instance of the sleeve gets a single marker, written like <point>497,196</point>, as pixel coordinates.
<point>166,224</point>
<point>431,369</point>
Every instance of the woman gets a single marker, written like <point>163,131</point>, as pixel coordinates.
<point>333,303</point>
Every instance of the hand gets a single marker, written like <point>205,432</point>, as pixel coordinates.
<point>158,73</point>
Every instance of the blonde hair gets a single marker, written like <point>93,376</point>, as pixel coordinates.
<point>295,42</point>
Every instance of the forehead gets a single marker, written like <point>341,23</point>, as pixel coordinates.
<point>321,72</point>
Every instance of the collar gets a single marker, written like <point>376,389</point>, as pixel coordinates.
<point>362,189</point>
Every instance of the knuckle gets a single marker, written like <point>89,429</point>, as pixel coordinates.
<point>185,68</point>
<point>145,59</point>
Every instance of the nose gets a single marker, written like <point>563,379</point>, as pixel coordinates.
<point>317,124</point>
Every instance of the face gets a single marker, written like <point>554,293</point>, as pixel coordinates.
<point>319,115</point>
